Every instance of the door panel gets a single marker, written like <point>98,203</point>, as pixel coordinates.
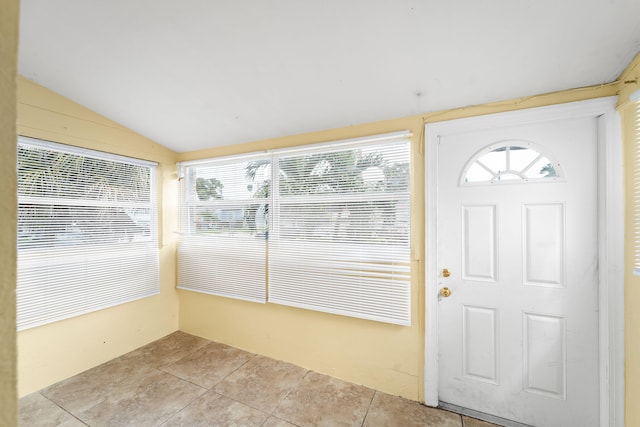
<point>480,343</point>
<point>479,242</point>
<point>518,336</point>
<point>543,244</point>
<point>544,355</point>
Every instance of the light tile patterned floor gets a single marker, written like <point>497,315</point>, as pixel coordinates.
<point>183,380</point>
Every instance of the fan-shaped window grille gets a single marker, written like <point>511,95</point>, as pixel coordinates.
<point>511,162</point>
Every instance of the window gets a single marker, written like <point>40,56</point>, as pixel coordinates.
<point>508,162</point>
<point>87,231</point>
<point>222,248</point>
<point>632,125</point>
<point>334,219</point>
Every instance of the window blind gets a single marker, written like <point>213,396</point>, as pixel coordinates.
<point>328,225</point>
<point>632,119</point>
<point>87,231</point>
<point>339,239</point>
<point>223,214</point>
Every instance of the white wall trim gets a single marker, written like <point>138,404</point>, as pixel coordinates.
<point>610,238</point>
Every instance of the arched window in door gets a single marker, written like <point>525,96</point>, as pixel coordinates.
<point>511,161</point>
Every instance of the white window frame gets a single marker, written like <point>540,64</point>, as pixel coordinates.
<point>222,265</point>
<point>103,274</point>
<point>521,173</point>
<point>392,278</point>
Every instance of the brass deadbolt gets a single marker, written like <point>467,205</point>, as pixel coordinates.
<point>446,272</point>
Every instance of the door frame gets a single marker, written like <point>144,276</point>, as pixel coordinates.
<point>610,239</point>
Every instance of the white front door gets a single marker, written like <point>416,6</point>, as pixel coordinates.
<point>517,234</point>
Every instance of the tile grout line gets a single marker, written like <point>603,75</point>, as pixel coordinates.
<point>278,418</point>
<point>243,403</point>
<point>63,408</point>
<point>161,368</point>
<point>287,395</point>
<point>206,389</point>
<point>239,367</point>
<point>183,408</point>
<point>180,378</point>
<point>190,402</point>
<point>211,389</point>
<point>364,419</point>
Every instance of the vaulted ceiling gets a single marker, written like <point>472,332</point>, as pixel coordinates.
<point>194,74</point>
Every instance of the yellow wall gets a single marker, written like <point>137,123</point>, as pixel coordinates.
<point>9,57</point>
<point>384,357</point>
<point>632,283</point>
<point>59,350</point>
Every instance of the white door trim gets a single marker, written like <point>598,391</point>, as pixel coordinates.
<point>610,239</point>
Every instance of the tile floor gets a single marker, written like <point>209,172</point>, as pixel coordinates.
<point>184,380</point>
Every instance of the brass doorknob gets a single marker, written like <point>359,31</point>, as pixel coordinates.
<point>446,272</point>
<point>445,292</point>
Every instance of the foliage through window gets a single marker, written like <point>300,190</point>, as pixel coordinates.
<point>86,231</point>
<point>509,162</point>
<point>334,219</point>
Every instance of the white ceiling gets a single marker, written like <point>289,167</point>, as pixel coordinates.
<point>192,74</point>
